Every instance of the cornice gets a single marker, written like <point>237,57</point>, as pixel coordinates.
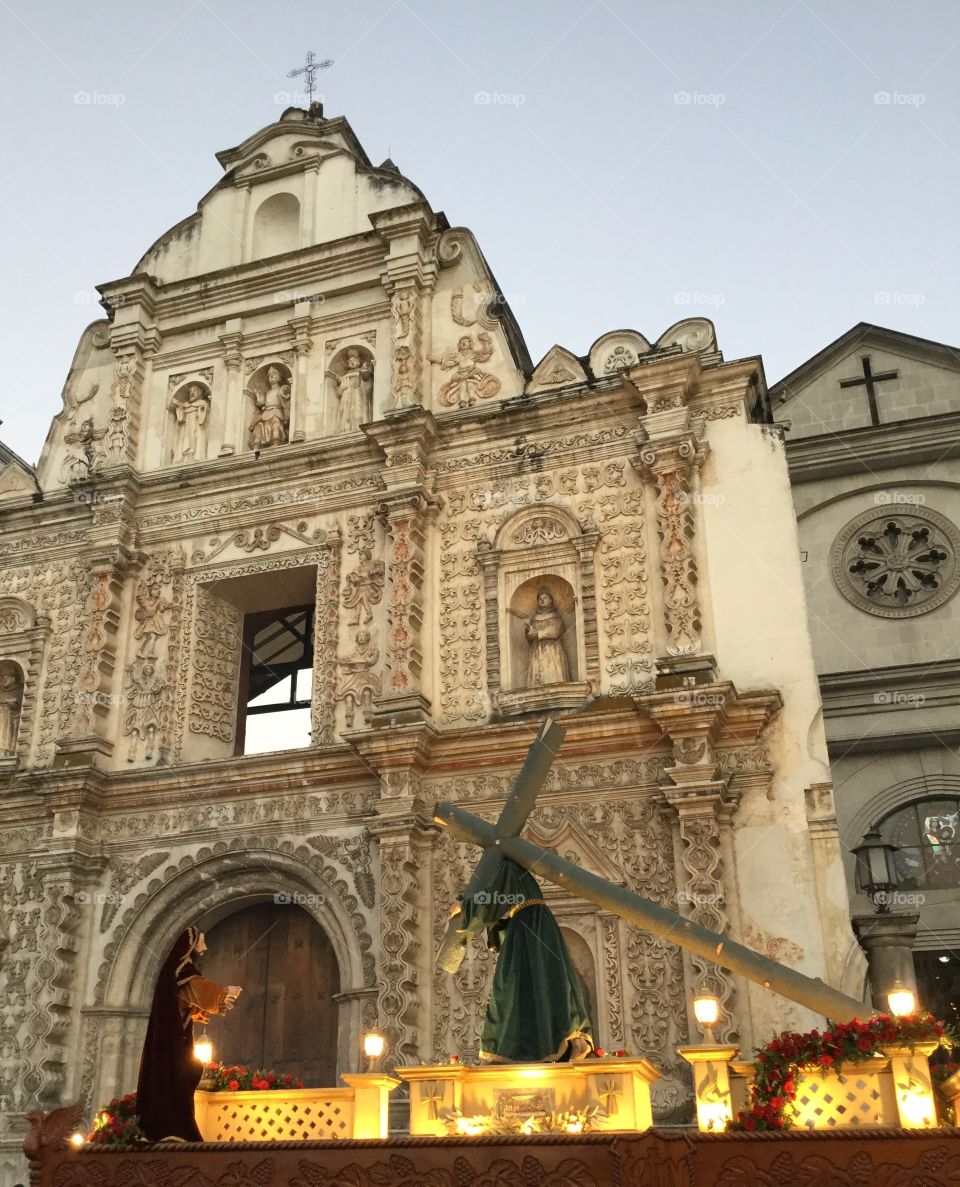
<point>877,447</point>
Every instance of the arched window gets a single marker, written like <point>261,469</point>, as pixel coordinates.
<point>928,835</point>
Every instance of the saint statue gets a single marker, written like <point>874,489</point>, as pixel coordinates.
<point>469,383</point>
<point>169,1071</point>
<point>272,411</point>
<point>544,629</point>
<point>11,701</point>
<point>354,393</point>
<point>358,685</point>
<point>191,411</point>
<point>364,587</point>
<point>536,1010</point>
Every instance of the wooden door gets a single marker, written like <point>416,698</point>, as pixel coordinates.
<point>286,1019</point>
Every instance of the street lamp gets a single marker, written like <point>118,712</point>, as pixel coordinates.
<point>373,1045</point>
<point>706,1009</point>
<point>876,869</point>
<point>902,1000</point>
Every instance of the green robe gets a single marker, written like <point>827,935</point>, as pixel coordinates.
<point>536,1004</point>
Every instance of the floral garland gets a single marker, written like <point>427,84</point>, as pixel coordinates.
<point>237,1077</point>
<point>774,1084</point>
<point>116,1125</point>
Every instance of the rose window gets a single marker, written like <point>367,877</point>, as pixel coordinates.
<point>897,565</point>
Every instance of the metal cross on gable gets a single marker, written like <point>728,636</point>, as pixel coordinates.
<point>502,840</point>
<point>309,71</point>
<point>870,381</point>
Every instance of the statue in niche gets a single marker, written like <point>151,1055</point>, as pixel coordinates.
<point>152,618</point>
<point>271,418</point>
<point>358,685</point>
<point>364,587</point>
<point>404,303</point>
<point>544,630</point>
<point>469,383</point>
<point>191,409</point>
<point>354,391</point>
<point>11,702</point>
<point>144,700</point>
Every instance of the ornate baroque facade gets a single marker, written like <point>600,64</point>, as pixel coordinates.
<point>312,392</point>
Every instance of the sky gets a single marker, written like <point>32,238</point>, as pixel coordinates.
<point>787,168</point>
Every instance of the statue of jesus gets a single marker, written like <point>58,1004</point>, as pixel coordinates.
<point>536,1012</point>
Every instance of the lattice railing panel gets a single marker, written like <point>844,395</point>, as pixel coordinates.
<point>299,1115</point>
<point>854,1097</point>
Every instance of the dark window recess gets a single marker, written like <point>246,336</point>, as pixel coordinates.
<point>928,835</point>
<point>276,684</point>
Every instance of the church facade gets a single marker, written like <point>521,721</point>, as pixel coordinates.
<point>313,545</point>
<point>872,448</point>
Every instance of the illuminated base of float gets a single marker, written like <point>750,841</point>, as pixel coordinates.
<point>891,1092</point>
<point>297,1114</point>
<point>684,1158</point>
<point>596,1095</point>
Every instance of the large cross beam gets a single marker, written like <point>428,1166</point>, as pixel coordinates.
<point>503,840</point>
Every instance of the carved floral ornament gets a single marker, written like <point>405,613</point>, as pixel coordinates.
<point>897,565</point>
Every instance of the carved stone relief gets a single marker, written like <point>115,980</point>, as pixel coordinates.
<point>215,667</point>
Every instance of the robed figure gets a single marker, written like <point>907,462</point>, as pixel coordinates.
<point>536,1010</point>
<point>544,631</point>
<point>169,1071</point>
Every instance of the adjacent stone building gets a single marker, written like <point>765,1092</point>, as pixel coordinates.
<point>313,544</point>
<point>873,449</point>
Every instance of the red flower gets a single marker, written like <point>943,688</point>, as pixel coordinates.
<point>864,1044</point>
<point>826,1060</point>
<point>233,1085</point>
<point>620,1053</point>
<point>299,1083</point>
<point>599,1051</point>
<point>749,1123</point>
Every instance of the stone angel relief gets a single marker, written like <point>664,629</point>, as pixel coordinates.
<point>271,418</point>
<point>469,383</point>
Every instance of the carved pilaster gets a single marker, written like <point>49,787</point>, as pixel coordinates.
<point>232,344</point>
<point>407,439</point>
<point>302,345</point>
<point>671,463</point>
<point>325,641</point>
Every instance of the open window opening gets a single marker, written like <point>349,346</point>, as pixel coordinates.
<point>276,683</point>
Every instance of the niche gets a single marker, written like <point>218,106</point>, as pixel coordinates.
<point>539,590</point>
<point>276,226</point>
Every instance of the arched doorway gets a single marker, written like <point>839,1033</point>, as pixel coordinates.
<point>286,1019</point>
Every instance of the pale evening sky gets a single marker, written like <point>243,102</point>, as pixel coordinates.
<point>785,167</point>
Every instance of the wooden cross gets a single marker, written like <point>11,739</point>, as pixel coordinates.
<point>309,71</point>
<point>502,841</point>
<point>870,380</point>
